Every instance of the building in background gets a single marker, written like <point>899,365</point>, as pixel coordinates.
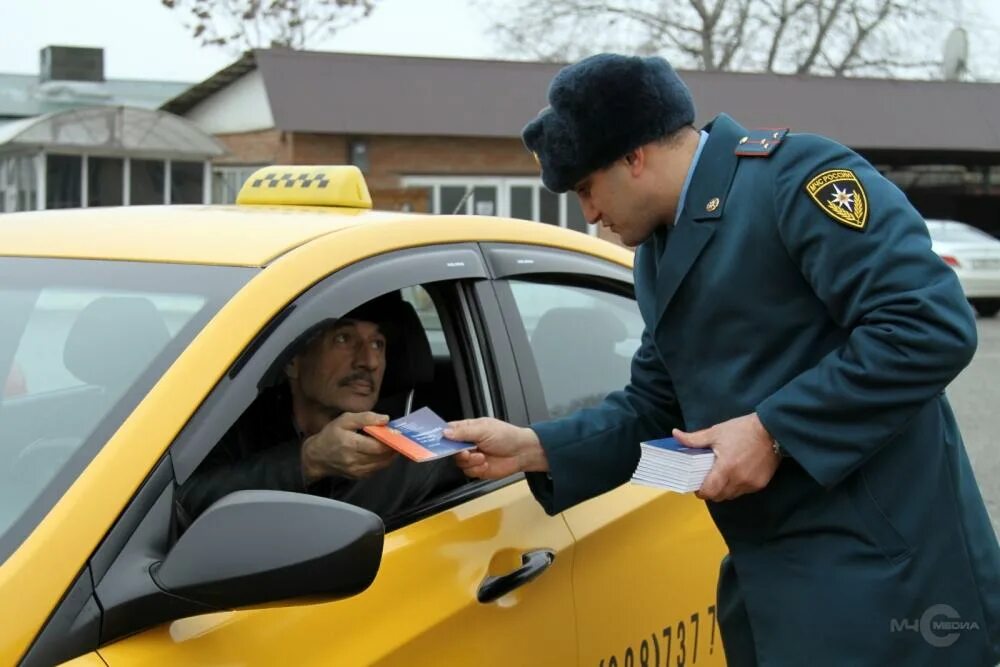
<point>430,134</point>
<point>70,138</point>
<point>443,135</point>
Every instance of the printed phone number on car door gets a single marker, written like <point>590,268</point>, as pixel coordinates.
<point>676,645</point>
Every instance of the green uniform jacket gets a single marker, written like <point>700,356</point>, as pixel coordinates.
<point>830,317</point>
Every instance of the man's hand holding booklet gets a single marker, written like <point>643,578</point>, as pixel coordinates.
<point>664,464</point>
<point>667,464</point>
<point>418,436</point>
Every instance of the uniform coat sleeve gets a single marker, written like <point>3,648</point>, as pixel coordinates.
<point>910,330</point>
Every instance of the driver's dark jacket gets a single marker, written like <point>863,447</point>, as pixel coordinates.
<point>262,450</point>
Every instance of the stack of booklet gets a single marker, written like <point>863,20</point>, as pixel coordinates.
<point>667,464</point>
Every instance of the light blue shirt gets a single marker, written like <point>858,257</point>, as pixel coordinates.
<point>687,179</point>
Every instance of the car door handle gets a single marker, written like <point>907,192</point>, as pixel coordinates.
<point>533,564</point>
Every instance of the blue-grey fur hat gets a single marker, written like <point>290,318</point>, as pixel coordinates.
<point>600,109</point>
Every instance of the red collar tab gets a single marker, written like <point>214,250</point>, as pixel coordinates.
<point>761,142</point>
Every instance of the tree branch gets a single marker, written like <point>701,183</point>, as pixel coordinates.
<point>798,36</point>
<point>247,24</point>
<point>863,31</point>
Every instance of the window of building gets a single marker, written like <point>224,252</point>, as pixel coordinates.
<point>549,206</point>
<point>84,180</point>
<point>18,183</point>
<point>146,184</point>
<point>63,181</point>
<point>522,202</point>
<point>484,198</point>
<point>27,183</point>
<point>105,181</point>
<point>575,219</point>
<point>186,183</point>
<point>227,181</point>
<point>507,197</point>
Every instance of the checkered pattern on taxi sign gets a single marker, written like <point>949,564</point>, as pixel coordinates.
<point>288,180</point>
<point>340,186</point>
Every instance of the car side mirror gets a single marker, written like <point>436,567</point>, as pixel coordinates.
<point>258,547</point>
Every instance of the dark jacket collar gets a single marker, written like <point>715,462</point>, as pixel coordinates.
<point>713,175</point>
<point>706,200</point>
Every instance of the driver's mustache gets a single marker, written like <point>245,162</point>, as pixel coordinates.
<point>355,377</point>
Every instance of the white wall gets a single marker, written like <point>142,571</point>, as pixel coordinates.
<point>241,106</point>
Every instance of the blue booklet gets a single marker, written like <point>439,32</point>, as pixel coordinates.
<point>671,445</point>
<point>418,436</point>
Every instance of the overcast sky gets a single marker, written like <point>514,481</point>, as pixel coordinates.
<point>144,40</point>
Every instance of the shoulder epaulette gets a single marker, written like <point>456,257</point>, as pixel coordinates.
<point>761,142</point>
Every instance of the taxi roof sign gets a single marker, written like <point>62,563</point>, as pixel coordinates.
<point>312,185</point>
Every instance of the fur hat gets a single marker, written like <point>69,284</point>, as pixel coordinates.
<point>600,109</point>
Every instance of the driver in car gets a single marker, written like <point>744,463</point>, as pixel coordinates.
<point>304,435</point>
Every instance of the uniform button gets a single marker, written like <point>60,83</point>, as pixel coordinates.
<point>744,140</point>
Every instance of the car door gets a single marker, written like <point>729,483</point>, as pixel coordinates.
<point>646,562</point>
<point>459,578</point>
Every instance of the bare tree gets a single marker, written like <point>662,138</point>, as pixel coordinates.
<point>239,25</point>
<point>832,37</point>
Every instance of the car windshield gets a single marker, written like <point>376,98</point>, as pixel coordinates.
<point>956,232</point>
<point>81,342</point>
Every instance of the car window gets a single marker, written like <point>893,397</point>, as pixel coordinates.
<point>418,297</point>
<point>80,344</point>
<point>60,311</point>
<point>582,341</point>
<point>264,447</point>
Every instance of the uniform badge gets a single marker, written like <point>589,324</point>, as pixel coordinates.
<point>840,194</point>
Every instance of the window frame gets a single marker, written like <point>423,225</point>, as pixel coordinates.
<point>106,272</point>
<point>550,266</point>
<point>339,292</point>
<point>503,184</point>
<point>218,173</point>
<point>40,190</point>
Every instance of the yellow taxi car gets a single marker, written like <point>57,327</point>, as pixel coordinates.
<point>133,338</point>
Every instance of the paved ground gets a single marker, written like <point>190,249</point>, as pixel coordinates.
<point>975,397</point>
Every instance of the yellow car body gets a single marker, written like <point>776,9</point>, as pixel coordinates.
<point>634,574</point>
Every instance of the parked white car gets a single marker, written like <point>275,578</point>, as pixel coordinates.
<point>975,257</point>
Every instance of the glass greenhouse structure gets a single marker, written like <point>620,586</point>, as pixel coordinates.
<point>104,156</point>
